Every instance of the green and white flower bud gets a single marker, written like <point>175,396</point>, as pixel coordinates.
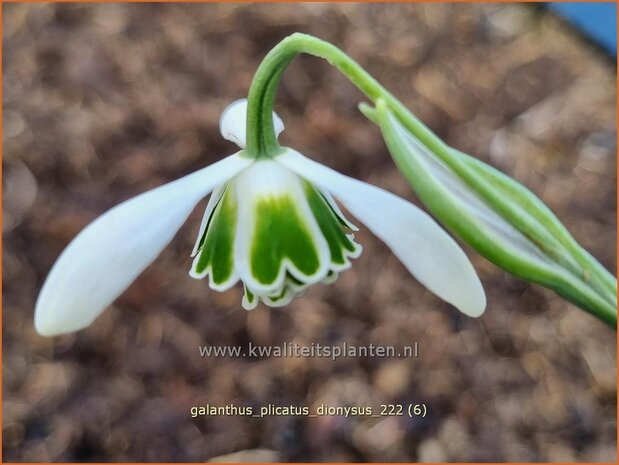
<point>497,216</point>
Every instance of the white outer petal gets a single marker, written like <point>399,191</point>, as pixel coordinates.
<point>426,250</point>
<point>233,123</point>
<point>107,255</point>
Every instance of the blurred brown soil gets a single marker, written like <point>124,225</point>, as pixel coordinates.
<point>104,101</point>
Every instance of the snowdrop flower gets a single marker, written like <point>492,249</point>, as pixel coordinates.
<point>271,223</point>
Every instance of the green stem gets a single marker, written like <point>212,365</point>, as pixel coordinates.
<point>261,139</point>
<point>599,297</point>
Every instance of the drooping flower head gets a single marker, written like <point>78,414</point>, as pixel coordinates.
<point>271,223</point>
<point>271,229</point>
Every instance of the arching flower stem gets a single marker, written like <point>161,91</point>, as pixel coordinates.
<point>577,275</point>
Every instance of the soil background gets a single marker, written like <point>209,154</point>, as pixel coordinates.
<point>104,101</point>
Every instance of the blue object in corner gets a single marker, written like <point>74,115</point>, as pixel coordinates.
<point>598,21</point>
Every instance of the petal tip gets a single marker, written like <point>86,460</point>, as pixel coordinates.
<point>249,305</point>
<point>47,326</point>
<point>195,275</point>
<point>44,329</point>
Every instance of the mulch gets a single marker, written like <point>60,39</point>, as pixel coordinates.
<point>104,101</point>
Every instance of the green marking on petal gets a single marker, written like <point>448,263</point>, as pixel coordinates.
<point>342,221</point>
<point>279,295</point>
<point>216,197</point>
<point>331,226</point>
<point>331,277</point>
<point>281,232</point>
<point>218,243</point>
<point>249,299</point>
<point>328,198</point>
<point>249,294</point>
<point>294,283</point>
<point>281,298</point>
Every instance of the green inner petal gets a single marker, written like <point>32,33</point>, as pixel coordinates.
<point>249,295</point>
<point>331,277</point>
<point>330,225</point>
<point>340,219</point>
<point>217,249</point>
<point>281,232</point>
<point>276,296</point>
<point>294,283</point>
<point>208,221</point>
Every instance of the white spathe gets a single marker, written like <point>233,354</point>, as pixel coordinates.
<point>233,123</point>
<point>105,258</point>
